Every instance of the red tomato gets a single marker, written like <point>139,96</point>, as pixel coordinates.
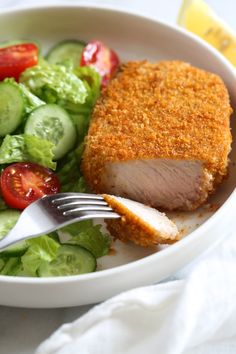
<point>16,58</point>
<point>24,182</point>
<point>101,58</point>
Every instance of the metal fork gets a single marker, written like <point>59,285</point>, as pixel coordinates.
<point>55,211</point>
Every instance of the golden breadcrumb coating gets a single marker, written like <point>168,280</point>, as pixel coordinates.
<point>131,227</point>
<point>168,110</point>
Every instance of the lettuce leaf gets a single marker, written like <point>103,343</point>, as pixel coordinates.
<point>92,81</point>
<point>81,122</point>
<point>80,114</point>
<point>75,186</point>
<point>54,83</point>
<point>8,220</point>
<point>31,101</point>
<point>11,266</point>
<point>41,249</point>
<point>2,264</point>
<point>89,236</point>
<point>22,147</point>
<point>40,151</point>
<point>69,174</point>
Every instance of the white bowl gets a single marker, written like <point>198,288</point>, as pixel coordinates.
<point>132,37</point>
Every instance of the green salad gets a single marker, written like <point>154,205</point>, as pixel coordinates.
<point>45,108</point>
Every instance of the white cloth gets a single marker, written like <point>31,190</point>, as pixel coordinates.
<point>196,315</point>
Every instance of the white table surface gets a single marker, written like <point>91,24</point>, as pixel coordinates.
<point>21,330</point>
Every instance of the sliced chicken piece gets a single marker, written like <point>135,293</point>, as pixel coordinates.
<point>160,134</point>
<point>139,223</point>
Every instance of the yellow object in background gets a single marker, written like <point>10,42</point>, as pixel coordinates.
<point>197,17</point>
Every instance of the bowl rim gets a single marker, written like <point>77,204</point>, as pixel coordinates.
<point>190,238</point>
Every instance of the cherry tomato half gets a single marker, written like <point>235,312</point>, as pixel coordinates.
<point>24,182</point>
<point>104,60</point>
<point>16,58</point>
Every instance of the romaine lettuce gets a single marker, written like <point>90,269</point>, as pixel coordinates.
<point>55,84</point>
<point>8,224</point>
<point>92,81</point>
<point>69,173</point>
<point>41,249</point>
<point>22,147</point>
<point>80,114</point>
<point>31,101</point>
<point>11,266</point>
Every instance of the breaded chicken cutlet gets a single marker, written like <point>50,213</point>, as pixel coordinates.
<point>159,135</point>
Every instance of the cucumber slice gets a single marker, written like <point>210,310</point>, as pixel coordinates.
<point>71,260</point>
<point>53,123</point>
<point>69,49</point>
<point>12,107</point>
<point>8,219</point>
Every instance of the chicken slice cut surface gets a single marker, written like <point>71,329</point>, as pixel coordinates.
<point>140,223</point>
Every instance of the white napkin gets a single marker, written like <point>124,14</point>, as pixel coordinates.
<point>195,315</point>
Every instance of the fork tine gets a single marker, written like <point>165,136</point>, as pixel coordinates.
<point>87,208</point>
<point>70,196</point>
<point>71,205</point>
<point>80,195</point>
<point>99,215</point>
<point>68,203</point>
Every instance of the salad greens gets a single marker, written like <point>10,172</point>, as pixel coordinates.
<point>10,265</point>
<point>43,248</point>
<point>55,83</point>
<point>31,101</point>
<point>8,219</point>
<point>75,90</point>
<point>69,173</point>
<point>22,147</point>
